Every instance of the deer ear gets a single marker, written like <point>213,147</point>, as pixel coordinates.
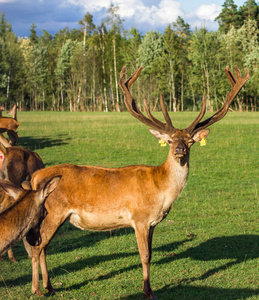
<point>11,189</point>
<point>50,186</point>
<point>202,134</point>
<point>161,136</point>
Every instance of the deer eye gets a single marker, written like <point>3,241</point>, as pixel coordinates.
<point>169,142</point>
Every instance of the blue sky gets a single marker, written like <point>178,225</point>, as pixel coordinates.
<point>53,15</point>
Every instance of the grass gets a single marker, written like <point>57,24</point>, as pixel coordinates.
<point>207,247</point>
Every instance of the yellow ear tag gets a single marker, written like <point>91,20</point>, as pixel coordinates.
<point>162,143</point>
<point>203,142</point>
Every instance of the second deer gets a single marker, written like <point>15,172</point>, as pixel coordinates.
<point>25,213</point>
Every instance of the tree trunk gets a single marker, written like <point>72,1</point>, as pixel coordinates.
<point>182,91</point>
<point>115,75</point>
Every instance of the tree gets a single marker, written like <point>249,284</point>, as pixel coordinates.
<point>247,36</point>
<point>5,26</point>
<point>150,54</point>
<point>183,32</point>
<point>250,10</point>
<point>228,17</point>
<point>171,53</point>
<point>115,23</point>
<point>63,69</point>
<point>87,26</point>
<point>33,35</point>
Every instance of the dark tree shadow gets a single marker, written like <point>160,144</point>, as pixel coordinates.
<point>41,142</point>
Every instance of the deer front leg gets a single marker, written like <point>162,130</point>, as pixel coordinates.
<point>35,289</point>
<point>45,275</point>
<point>144,239</point>
<point>49,227</point>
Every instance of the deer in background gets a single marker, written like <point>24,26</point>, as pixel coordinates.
<point>25,213</point>
<point>16,165</point>
<point>9,125</point>
<point>13,112</point>
<point>101,199</point>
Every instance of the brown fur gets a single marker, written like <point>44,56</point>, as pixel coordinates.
<point>25,213</point>
<point>16,165</point>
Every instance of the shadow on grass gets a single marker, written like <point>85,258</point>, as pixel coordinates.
<point>197,293</point>
<point>35,143</point>
<point>240,248</point>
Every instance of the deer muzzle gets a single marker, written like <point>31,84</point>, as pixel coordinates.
<point>180,150</point>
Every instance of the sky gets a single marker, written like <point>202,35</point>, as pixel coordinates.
<point>145,15</point>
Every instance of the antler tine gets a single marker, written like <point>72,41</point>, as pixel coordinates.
<point>166,115</point>
<point>168,125</point>
<point>236,85</point>
<point>133,109</point>
<point>191,127</point>
<point>151,117</point>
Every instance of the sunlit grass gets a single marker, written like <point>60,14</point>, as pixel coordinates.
<point>207,247</point>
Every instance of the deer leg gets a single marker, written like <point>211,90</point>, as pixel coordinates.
<point>45,276</point>
<point>35,289</point>
<point>49,227</point>
<point>11,255</point>
<point>27,247</point>
<point>144,240</point>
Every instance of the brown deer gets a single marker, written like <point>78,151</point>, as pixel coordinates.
<point>16,165</point>
<point>25,213</point>
<point>139,196</point>
<point>9,125</point>
<point>13,112</point>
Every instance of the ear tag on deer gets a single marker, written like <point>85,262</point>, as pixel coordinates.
<point>162,143</point>
<point>203,142</point>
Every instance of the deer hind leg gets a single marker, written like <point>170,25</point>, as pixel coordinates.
<point>11,255</point>
<point>49,227</point>
<point>27,247</point>
<point>144,239</point>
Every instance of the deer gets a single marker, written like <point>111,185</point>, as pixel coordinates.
<point>16,165</point>
<point>13,112</point>
<point>9,125</point>
<point>25,213</point>
<point>137,196</point>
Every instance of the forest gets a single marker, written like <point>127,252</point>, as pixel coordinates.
<point>78,69</point>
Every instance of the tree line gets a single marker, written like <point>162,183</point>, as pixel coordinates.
<point>78,69</point>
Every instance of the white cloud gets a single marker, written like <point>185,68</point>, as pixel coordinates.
<point>145,13</point>
<point>208,12</point>
<point>8,1</point>
<point>166,11</point>
<point>90,5</point>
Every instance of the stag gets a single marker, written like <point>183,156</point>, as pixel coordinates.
<point>139,196</point>
<point>25,213</point>
<point>16,165</point>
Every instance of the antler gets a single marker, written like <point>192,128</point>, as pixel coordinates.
<point>236,85</point>
<point>135,112</point>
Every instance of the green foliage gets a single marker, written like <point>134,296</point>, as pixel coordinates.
<point>206,248</point>
<point>78,69</point>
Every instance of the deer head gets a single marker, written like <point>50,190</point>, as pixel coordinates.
<point>180,140</point>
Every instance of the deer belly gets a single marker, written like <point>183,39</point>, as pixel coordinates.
<point>99,222</point>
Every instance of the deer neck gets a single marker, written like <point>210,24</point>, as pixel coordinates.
<point>177,170</point>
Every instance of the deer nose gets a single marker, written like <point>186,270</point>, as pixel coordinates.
<point>180,149</point>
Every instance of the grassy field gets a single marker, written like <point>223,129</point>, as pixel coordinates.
<point>207,247</point>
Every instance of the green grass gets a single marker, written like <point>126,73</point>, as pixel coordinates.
<point>207,247</point>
